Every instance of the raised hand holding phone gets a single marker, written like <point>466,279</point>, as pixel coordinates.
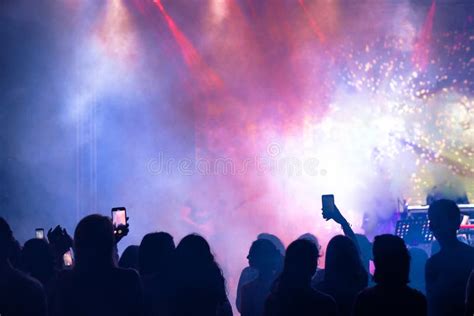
<point>330,210</point>
<point>68,260</point>
<point>120,222</point>
<point>59,239</point>
<point>328,206</point>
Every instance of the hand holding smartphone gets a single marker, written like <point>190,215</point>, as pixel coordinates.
<point>119,216</point>
<point>120,223</point>
<point>68,261</point>
<point>330,210</point>
<point>328,206</point>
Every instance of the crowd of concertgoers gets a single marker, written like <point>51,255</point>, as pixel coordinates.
<point>161,278</point>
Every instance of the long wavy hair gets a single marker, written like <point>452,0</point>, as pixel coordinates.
<point>196,267</point>
<point>392,260</point>
<point>343,265</point>
<point>300,264</point>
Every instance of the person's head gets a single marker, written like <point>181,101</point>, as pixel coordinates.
<point>194,264</point>
<point>194,248</point>
<point>445,219</point>
<point>129,258</point>
<point>274,240</point>
<point>6,240</point>
<point>312,238</point>
<point>155,253</point>
<point>301,261</point>
<point>391,260</point>
<point>37,258</point>
<point>94,242</point>
<point>343,264</point>
<point>263,256</point>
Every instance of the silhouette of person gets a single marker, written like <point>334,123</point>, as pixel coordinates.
<point>129,258</point>
<point>198,281</point>
<point>319,274</point>
<point>292,293</point>
<point>20,295</point>
<point>470,295</point>
<point>59,242</point>
<point>95,286</point>
<point>155,256</point>
<point>264,257</point>
<point>344,275</point>
<point>155,253</point>
<point>312,238</point>
<point>38,261</point>
<point>447,271</point>
<point>391,295</point>
<point>250,273</point>
<point>15,255</point>
<point>417,269</point>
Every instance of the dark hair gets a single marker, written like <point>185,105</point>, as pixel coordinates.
<point>129,258</point>
<point>38,259</point>
<point>94,242</point>
<point>445,215</point>
<point>263,255</point>
<point>274,240</point>
<point>6,240</point>
<point>198,286</point>
<point>343,263</point>
<point>312,238</point>
<point>155,253</point>
<point>195,265</point>
<point>301,261</point>
<point>391,259</point>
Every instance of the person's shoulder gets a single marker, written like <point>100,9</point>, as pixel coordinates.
<point>126,273</point>
<point>256,283</point>
<point>323,298</point>
<point>129,279</point>
<point>325,304</point>
<point>247,270</point>
<point>26,285</point>
<point>465,253</point>
<point>434,259</point>
<point>247,274</point>
<point>368,292</point>
<point>417,298</point>
<point>415,293</point>
<point>249,286</point>
<point>25,280</point>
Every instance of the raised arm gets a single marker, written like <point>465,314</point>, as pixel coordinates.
<point>337,216</point>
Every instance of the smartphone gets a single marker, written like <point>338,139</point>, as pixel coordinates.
<point>67,258</point>
<point>371,267</point>
<point>328,205</point>
<point>39,233</point>
<point>119,216</point>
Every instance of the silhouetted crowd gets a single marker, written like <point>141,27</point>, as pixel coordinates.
<point>159,278</point>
